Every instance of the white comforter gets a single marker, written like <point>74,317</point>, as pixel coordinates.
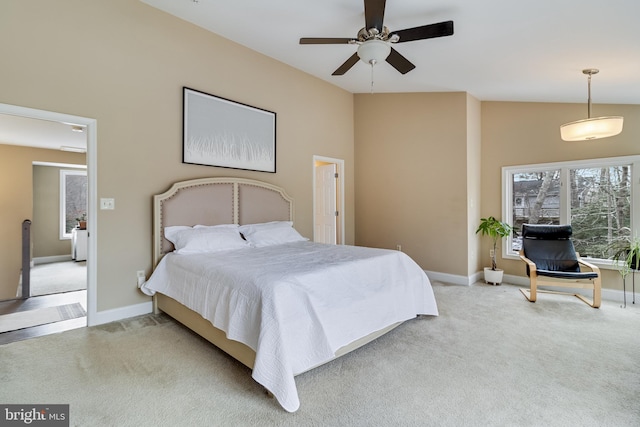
<point>295,304</point>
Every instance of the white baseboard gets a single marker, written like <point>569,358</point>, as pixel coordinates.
<point>455,279</point>
<point>50,259</point>
<point>606,293</point>
<point>107,316</point>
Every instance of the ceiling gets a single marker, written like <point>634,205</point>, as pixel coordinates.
<point>17,130</point>
<point>501,50</point>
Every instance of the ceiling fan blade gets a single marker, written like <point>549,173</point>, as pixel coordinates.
<point>374,14</point>
<point>325,40</point>
<point>430,31</point>
<point>347,65</point>
<point>399,62</point>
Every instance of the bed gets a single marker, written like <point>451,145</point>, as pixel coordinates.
<point>278,303</point>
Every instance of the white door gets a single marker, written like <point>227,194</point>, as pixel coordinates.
<point>325,215</point>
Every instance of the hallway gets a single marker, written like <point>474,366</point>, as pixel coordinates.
<point>42,302</point>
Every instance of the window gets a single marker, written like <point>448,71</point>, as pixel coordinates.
<point>597,197</point>
<point>73,200</point>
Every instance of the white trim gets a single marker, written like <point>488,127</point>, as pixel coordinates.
<point>92,172</point>
<point>516,280</point>
<point>59,165</point>
<point>341,208</point>
<point>455,279</point>
<point>597,162</point>
<point>107,316</point>
<point>50,259</point>
<point>507,191</point>
<point>62,223</point>
<point>613,295</point>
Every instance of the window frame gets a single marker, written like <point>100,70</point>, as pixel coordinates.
<point>63,200</point>
<point>565,212</point>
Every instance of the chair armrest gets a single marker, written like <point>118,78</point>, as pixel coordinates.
<point>587,264</point>
<point>531,264</point>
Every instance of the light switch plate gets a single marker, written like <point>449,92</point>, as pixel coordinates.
<point>109,204</point>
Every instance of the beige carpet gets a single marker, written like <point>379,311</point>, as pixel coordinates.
<point>490,359</point>
<point>40,316</point>
<point>57,277</point>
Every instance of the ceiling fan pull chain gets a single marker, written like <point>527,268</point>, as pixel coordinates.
<point>373,62</point>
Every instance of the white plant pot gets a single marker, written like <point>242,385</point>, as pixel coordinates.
<point>493,276</point>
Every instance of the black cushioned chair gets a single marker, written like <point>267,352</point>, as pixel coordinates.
<point>552,261</point>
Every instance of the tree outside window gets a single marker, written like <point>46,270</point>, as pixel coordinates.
<point>600,209</point>
<point>73,200</point>
<point>595,197</point>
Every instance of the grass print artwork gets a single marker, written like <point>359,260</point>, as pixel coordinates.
<point>219,132</point>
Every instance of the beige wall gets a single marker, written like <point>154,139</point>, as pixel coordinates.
<point>516,133</point>
<point>124,64</point>
<point>428,167</point>
<point>411,175</point>
<point>45,229</point>
<point>16,205</point>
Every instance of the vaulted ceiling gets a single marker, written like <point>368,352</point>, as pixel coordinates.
<point>501,50</point>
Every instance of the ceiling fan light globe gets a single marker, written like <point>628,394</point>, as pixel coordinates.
<point>373,50</point>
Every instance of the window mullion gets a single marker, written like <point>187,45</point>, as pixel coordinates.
<point>507,208</point>
<point>565,196</point>
<point>635,199</point>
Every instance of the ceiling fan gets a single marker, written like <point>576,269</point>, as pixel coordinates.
<point>374,40</point>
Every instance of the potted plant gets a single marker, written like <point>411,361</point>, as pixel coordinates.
<point>82,221</point>
<point>626,258</point>
<point>495,229</point>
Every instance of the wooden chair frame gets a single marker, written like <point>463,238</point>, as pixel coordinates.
<point>535,281</point>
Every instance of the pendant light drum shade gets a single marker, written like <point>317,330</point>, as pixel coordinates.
<point>591,128</point>
<point>598,127</point>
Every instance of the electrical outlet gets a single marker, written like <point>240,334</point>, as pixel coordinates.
<point>491,253</point>
<point>141,277</point>
<point>399,248</point>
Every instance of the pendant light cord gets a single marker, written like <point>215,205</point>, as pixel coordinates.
<point>589,99</point>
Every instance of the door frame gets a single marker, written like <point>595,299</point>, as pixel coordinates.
<point>340,199</point>
<point>92,177</point>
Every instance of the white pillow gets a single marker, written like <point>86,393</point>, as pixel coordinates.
<point>205,239</point>
<point>270,233</point>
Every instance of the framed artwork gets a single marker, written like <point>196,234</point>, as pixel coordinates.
<point>224,133</point>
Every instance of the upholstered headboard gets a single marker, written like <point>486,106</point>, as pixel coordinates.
<point>213,201</point>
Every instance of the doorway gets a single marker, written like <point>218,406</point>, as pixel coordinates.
<point>58,228</point>
<point>89,126</point>
<point>328,200</point>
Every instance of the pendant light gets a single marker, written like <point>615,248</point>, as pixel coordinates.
<point>591,128</point>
